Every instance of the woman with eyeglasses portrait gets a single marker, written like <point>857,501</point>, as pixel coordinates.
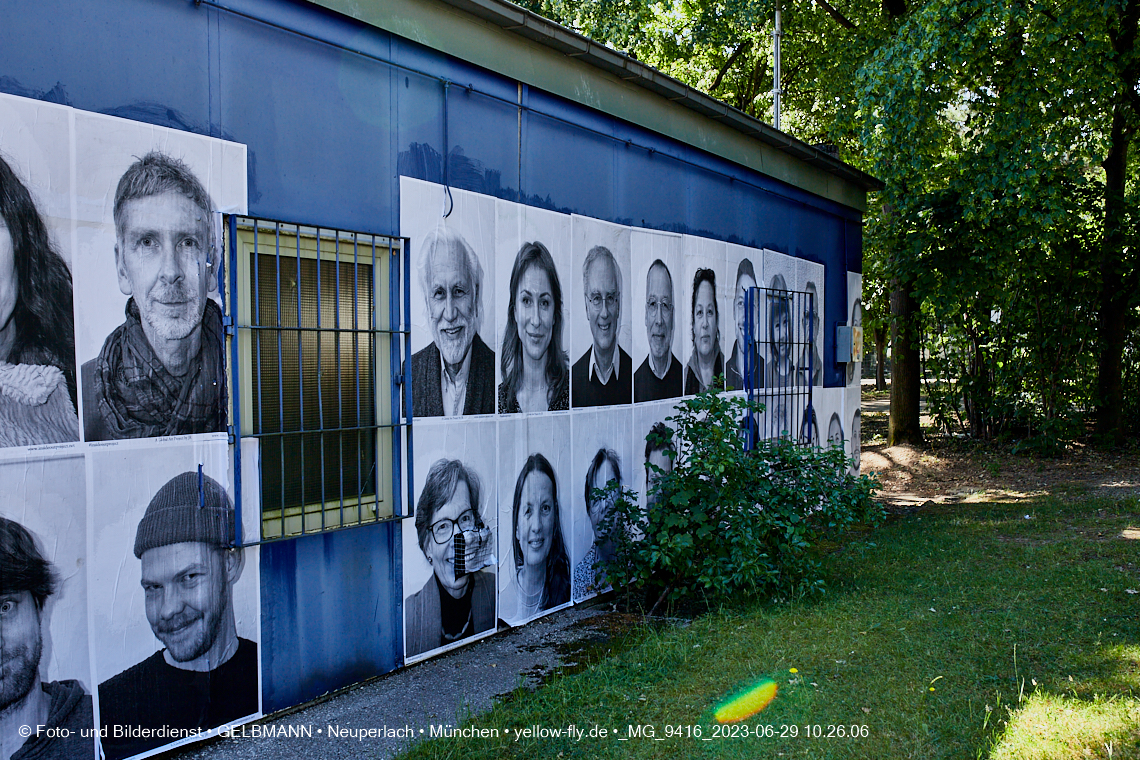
<point>541,562</point>
<point>536,370</point>
<point>453,604</point>
<point>707,360</point>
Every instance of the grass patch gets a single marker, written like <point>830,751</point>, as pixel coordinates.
<point>1053,727</point>
<point>1003,630</point>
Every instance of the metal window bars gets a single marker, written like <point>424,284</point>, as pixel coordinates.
<point>781,364</point>
<point>313,335</point>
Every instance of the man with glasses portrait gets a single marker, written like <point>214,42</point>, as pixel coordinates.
<point>602,376</point>
<point>659,376</point>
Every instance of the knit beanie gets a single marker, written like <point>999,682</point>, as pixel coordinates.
<point>191,507</point>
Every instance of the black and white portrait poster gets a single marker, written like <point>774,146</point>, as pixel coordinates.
<point>809,323</point>
<point>655,315</point>
<point>647,419</point>
<point>532,314</point>
<point>450,548</point>
<point>780,279</point>
<point>602,369</point>
<point>703,323</point>
<point>148,315</point>
<point>453,298</point>
<point>175,610</point>
<point>534,516</point>
<point>855,321</point>
<point>830,409</point>
<point>745,270</point>
<point>602,452</point>
<point>43,561</point>
<point>855,368</point>
<point>38,390</point>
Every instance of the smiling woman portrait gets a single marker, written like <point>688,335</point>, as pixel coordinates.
<point>536,370</point>
<point>37,327</point>
<point>542,564</point>
<point>449,607</point>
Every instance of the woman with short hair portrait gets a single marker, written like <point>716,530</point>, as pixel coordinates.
<point>536,370</point>
<point>452,605</point>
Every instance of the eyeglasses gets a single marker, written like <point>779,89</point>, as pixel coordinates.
<point>442,530</point>
<point>595,300</point>
<point>653,306</point>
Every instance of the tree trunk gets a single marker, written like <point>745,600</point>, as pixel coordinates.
<point>1115,292</point>
<point>1119,279</point>
<point>880,358</point>
<point>906,378</point>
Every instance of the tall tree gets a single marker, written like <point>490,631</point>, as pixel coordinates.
<point>1003,133</point>
<point>1120,269</point>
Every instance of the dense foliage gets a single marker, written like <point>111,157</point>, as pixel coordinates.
<point>725,521</point>
<point>1006,136</point>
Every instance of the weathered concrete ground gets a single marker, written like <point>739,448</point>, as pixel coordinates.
<point>440,691</point>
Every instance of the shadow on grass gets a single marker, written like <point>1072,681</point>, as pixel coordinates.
<point>1024,608</point>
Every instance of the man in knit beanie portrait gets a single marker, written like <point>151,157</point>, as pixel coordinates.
<point>205,676</point>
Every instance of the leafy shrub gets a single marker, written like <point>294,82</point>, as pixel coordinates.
<point>725,521</point>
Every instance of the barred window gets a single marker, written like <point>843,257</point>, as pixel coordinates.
<point>313,337</point>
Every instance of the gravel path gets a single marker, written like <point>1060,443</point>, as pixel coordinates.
<point>440,691</point>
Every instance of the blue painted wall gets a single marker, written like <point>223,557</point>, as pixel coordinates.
<point>333,112</point>
<point>327,619</point>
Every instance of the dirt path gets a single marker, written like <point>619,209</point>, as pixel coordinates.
<point>950,471</point>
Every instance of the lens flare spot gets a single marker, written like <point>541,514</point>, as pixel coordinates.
<point>747,703</point>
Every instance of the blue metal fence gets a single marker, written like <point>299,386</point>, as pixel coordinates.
<point>773,374</point>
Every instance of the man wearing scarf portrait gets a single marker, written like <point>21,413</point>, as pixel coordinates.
<point>160,373</point>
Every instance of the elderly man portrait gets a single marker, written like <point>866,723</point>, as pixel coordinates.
<point>160,372</point>
<point>602,376</point>
<point>660,375</point>
<point>29,707</point>
<point>205,675</point>
<point>456,373</point>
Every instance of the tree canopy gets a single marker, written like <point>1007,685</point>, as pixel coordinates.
<point>1003,134</point>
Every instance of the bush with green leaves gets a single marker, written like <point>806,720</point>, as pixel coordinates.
<point>725,522</point>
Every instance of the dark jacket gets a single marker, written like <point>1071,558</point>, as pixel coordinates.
<point>648,387</point>
<point>69,708</point>
<point>587,391</point>
<point>427,392</point>
<point>423,619</point>
<point>153,694</point>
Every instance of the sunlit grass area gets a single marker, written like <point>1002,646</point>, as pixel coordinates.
<point>1053,727</point>
<point>983,630</point>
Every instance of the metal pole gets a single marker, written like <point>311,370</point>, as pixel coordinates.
<point>776,34</point>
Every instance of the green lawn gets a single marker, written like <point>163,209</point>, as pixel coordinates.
<point>987,630</point>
